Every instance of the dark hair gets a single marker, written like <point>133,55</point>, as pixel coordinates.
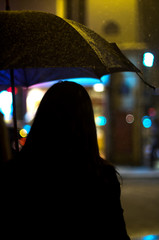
<point>64,126</point>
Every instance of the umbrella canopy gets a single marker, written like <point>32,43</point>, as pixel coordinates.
<point>31,76</point>
<point>32,39</point>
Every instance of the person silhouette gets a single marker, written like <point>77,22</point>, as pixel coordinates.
<point>61,172</point>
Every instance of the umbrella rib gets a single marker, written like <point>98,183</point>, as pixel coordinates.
<point>148,84</point>
<point>14,110</point>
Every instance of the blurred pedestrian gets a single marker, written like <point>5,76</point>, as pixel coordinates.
<point>64,179</point>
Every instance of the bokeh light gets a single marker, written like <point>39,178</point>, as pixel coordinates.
<point>15,90</point>
<point>23,133</point>
<point>6,105</point>
<point>33,100</point>
<point>150,237</point>
<point>27,128</point>
<point>148,59</point>
<point>129,118</point>
<point>146,121</point>
<point>105,79</point>
<point>98,87</point>
<point>152,112</point>
<point>100,121</point>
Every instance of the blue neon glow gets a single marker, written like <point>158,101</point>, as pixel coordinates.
<point>148,59</point>
<point>105,79</point>
<point>91,81</point>
<point>84,81</point>
<point>146,121</point>
<point>100,121</point>
<point>87,81</point>
<point>81,81</point>
<point>150,237</point>
<point>27,128</point>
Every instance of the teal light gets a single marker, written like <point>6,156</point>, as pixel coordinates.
<point>105,79</point>
<point>85,81</point>
<point>100,121</point>
<point>91,81</point>
<point>150,237</point>
<point>146,121</point>
<point>148,59</point>
<point>27,128</point>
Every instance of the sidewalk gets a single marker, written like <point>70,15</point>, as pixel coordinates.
<point>136,174</point>
<point>140,172</point>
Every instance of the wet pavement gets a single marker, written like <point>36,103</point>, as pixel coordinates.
<point>128,172</point>
<point>139,195</point>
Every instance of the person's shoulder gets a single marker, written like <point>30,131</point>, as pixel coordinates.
<point>105,165</point>
<point>108,171</point>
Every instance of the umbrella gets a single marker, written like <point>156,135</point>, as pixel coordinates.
<point>35,40</point>
<point>32,39</point>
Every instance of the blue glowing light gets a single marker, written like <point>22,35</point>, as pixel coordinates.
<point>148,59</point>
<point>105,79</point>
<point>27,128</point>
<point>146,121</point>
<point>150,237</point>
<point>100,121</point>
<point>84,81</point>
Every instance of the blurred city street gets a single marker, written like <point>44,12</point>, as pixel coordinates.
<point>126,108</point>
<point>140,198</point>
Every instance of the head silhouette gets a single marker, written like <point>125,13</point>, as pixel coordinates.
<point>64,126</point>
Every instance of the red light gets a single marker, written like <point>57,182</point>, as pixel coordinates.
<point>152,112</point>
<point>22,141</point>
<point>10,90</point>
